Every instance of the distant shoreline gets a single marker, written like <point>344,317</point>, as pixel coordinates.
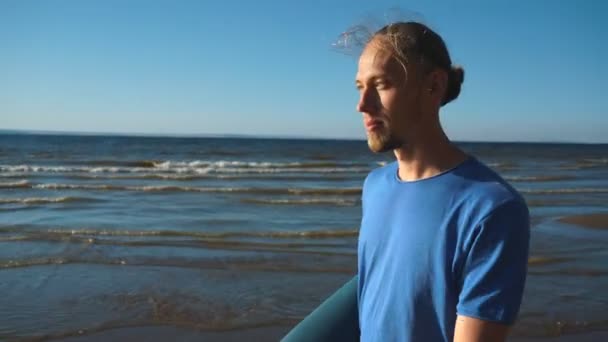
<point>253,137</point>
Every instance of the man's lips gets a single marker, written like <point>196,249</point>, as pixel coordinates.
<point>373,124</point>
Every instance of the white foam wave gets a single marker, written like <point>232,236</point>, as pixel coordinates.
<point>55,186</point>
<point>39,200</point>
<point>13,185</point>
<point>198,167</point>
<point>173,188</point>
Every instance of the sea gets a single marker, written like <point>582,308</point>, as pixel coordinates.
<point>102,233</point>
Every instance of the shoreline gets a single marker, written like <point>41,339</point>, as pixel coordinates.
<point>270,333</point>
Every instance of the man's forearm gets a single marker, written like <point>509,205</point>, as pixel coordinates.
<point>469,329</point>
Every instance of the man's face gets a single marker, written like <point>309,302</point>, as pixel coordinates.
<point>388,99</point>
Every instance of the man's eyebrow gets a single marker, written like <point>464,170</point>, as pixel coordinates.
<point>373,78</point>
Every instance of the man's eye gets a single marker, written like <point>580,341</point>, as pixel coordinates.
<point>382,85</point>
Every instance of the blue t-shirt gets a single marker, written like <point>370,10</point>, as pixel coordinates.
<point>455,243</point>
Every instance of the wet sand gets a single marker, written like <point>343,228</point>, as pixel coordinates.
<point>172,333</point>
<point>584,337</point>
<point>272,333</point>
<point>596,221</point>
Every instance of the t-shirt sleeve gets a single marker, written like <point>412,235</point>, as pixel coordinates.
<point>493,276</point>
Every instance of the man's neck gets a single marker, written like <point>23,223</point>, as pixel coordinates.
<point>428,157</point>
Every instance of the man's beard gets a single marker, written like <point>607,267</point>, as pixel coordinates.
<point>383,142</point>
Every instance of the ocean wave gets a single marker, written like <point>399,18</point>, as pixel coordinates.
<point>309,201</point>
<point>32,262</point>
<point>13,238</point>
<point>564,191</point>
<point>92,232</point>
<point>55,186</point>
<point>546,260</point>
<point>559,202</point>
<point>128,163</point>
<point>283,247</point>
<point>195,167</point>
<point>592,162</point>
<point>579,272</point>
<point>586,163</point>
<point>243,164</point>
<point>11,175</point>
<point>269,170</point>
<point>539,178</point>
<point>353,191</point>
<point>161,176</point>
<point>276,264</point>
<point>285,260</point>
<point>173,188</point>
<point>36,168</point>
<point>324,191</point>
<point>191,177</point>
<point>45,200</point>
<point>16,185</point>
<point>502,166</point>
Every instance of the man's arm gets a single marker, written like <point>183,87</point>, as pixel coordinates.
<point>469,329</point>
<point>492,281</point>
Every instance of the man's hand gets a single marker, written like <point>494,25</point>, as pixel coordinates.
<point>470,329</point>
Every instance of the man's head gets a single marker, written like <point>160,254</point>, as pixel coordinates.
<point>405,75</point>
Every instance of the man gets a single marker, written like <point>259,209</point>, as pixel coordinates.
<point>443,245</point>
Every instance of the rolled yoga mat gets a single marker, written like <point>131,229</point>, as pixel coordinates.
<point>335,320</point>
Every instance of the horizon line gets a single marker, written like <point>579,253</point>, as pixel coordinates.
<point>252,136</point>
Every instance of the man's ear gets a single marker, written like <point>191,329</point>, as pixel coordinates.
<point>437,82</point>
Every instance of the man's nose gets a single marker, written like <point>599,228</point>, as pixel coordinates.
<point>367,101</point>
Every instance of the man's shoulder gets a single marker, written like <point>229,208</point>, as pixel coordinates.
<point>383,172</point>
<point>483,180</point>
<point>483,189</point>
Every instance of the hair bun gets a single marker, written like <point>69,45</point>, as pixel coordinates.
<point>455,79</point>
<point>458,74</point>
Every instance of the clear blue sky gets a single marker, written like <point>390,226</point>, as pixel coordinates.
<point>535,70</point>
